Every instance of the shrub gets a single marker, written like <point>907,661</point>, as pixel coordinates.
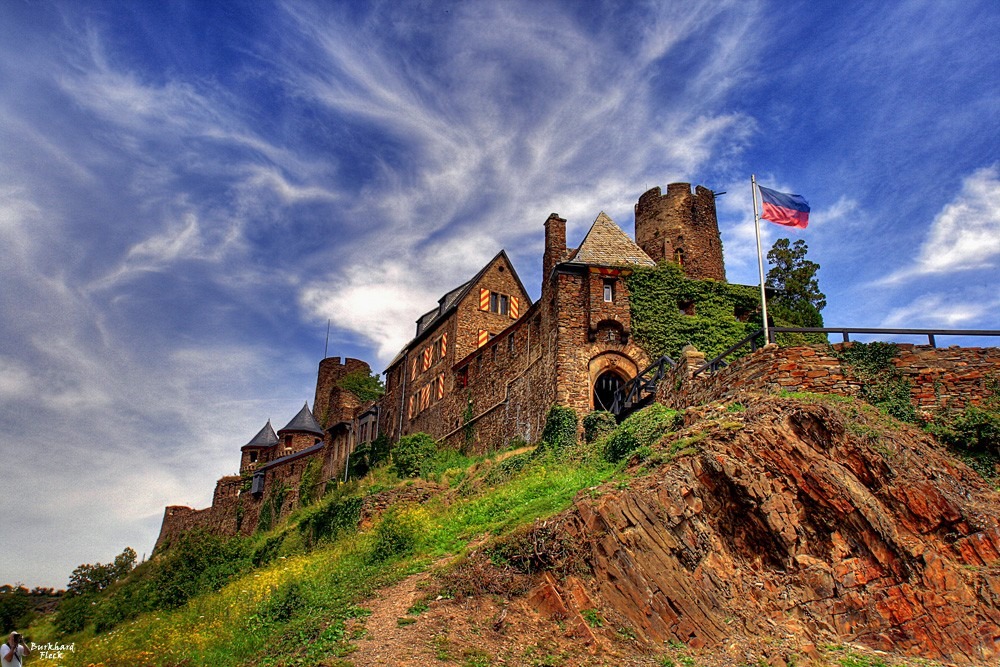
<point>560,427</point>
<point>329,519</point>
<point>882,384</point>
<point>309,482</point>
<point>974,429</point>
<point>395,535</point>
<point>412,453</point>
<point>598,424</point>
<point>643,428</point>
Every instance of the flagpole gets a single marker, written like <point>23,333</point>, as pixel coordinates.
<point>760,257</point>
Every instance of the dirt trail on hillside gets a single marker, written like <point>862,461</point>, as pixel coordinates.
<point>386,642</point>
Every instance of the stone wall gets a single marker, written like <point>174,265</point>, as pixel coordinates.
<point>685,222</point>
<point>940,377</point>
<point>333,404</point>
<point>403,411</point>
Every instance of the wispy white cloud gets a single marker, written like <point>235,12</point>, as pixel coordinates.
<point>936,310</point>
<point>965,234</point>
<point>566,124</point>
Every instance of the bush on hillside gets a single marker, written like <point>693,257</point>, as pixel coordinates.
<point>598,424</point>
<point>641,429</point>
<point>412,453</point>
<point>560,428</point>
<point>395,535</point>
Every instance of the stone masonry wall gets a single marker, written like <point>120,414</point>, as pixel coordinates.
<point>680,220</point>
<point>940,377</point>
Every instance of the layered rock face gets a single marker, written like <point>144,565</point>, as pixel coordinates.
<point>818,521</point>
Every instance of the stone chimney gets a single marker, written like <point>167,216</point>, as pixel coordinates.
<point>555,245</point>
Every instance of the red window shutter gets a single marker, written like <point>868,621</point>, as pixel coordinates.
<point>484,337</point>
<point>484,299</point>
<point>440,391</point>
<point>444,345</point>
<point>409,410</point>
<point>425,396</point>
<point>513,308</point>
<point>427,357</point>
<point>413,368</point>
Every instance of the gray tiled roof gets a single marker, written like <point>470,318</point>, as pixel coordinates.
<point>607,245</point>
<point>266,437</point>
<point>304,422</point>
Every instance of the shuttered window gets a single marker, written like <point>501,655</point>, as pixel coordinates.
<point>440,386</point>
<point>484,337</point>
<point>427,357</point>
<point>513,308</point>
<point>484,299</point>
<point>444,345</point>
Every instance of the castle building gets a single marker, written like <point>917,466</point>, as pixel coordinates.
<point>486,363</point>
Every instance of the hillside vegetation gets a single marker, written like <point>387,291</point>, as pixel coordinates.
<point>540,555</point>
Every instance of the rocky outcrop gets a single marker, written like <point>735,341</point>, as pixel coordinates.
<point>819,521</point>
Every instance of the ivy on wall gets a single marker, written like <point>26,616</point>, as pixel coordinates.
<point>670,310</point>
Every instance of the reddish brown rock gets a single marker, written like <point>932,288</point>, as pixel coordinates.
<point>792,524</point>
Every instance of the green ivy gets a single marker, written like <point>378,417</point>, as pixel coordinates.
<point>882,384</point>
<point>656,296</point>
<point>365,387</point>
<point>560,428</point>
<point>309,482</point>
<point>641,429</point>
<point>270,509</point>
<point>412,452</point>
<point>597,425</point>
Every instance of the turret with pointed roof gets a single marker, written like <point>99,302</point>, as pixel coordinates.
<point>303,431</point>
<point>259,448</point>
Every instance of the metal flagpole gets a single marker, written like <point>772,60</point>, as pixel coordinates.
<point>760,258</point>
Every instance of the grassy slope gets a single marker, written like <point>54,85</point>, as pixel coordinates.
<point>300,602</point>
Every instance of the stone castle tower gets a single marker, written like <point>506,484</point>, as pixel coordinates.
<point>681,227</point>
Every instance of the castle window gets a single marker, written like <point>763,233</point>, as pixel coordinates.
<point>679,257</point>
<point>253,457</point>
<point>462,377</point>
<point>609,290</point>
<point>510,344</point>
<point>686,307</point>
<point>499,303</point>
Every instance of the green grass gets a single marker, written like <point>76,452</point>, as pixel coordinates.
<point>304,598</point>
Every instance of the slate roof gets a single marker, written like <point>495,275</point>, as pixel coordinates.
<point>266,438</point>
<point>607,245</point>
<point>304,422</point>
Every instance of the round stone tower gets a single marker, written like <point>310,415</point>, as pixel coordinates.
<point>681,227</point>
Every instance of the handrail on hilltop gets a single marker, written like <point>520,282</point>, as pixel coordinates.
<point>644,382</point>
<point>720,361</point>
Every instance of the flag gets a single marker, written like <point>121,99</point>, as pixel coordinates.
<point>784,209</point>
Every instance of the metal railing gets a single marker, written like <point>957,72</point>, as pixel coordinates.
<point>751,340</point>
<point>641,387</point>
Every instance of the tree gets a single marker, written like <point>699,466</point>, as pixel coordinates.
<point>797,299</point>
<point>89,578</point>
<point>364,386</point>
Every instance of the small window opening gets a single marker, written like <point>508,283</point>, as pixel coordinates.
<point>253,457</point>
<point>609,290</point>
<point>686,307</point>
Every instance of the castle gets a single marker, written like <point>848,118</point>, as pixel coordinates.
<point>486,363</point>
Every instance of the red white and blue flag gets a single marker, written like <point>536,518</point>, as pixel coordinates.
<point>784,209</point>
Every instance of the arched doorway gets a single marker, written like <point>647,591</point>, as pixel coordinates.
<point>605,386</point>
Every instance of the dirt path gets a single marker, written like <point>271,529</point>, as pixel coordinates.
<point>388,643</point>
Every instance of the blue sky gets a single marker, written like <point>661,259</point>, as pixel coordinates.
<point>188,190</point>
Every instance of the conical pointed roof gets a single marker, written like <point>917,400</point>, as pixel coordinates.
<point>304,422</point>
<point>607,245</point>
<point>266,437</point>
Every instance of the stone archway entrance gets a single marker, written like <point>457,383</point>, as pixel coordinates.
<point>605,386</point>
